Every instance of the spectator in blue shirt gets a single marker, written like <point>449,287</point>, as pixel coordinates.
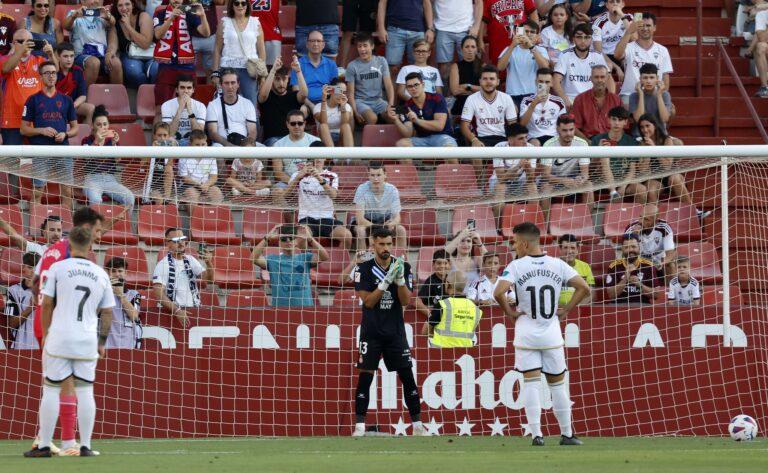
<point>425,122</point>
<point>50,119</point>
<point>586,10</point>
<point>318,71</point>
<point>289,270</point>
<point>401,22</point>
<point>522,58</point>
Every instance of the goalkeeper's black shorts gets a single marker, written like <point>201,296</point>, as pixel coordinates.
<point>394,349</point>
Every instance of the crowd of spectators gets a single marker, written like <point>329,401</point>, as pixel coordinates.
<point>524,73</point>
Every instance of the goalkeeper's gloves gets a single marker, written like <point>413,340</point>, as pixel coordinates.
<point>400,277</point>
<point>390,277</point>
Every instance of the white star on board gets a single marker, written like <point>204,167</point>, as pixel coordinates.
<point>433,427</point>
<point>526,430</point>
<point>465,428</point>
<point>497,428</point>
<point>400,427</point>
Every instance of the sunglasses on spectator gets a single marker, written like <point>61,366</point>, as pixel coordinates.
<point>179,239</point>
<point>42,5</point>
<point>286,238</point>
<point>296,123</point>
<point>421,51</point>
<point>21,41</point>
<point>240,4</point>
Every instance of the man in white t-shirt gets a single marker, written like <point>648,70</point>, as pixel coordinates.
<point>241,121</point>
<point>199,175</point>
<point>454,19</point>
<point>573,71</point>
<point>512,177</point>
<point>565,173</point>
<point>177,276</point>
<point>183,113</point>
<point>76,317</point>
<point>333,115</point>
<point>537,280</point>
<point>317,188</point>
<point>540,111</point>
<point>642,51</point>
<point>50,230</point>
<point>488,111</point>
<point>607,30</point>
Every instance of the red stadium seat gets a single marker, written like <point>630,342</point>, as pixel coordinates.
<point>18,11</point>
<point>485,223</point>
<point>575,219</point>
<point>247,298</point>
<point>204,93</point>
<point>748,185</point>
<point>328,272</point>
<point>154,220</point>
<point>747,228</point>
<point>137,276</point>
<point>9,194</point>
<point>287,25</point>
<point>599,257</point>
<point>213,224</point>
<point>83,130</point>
<point>233,267</point>
<point>134,174</point>
<point>504,252</point>
<point>713,295</point>
<point>38,214</point>
<point>145,102</point>
<point>131,134</point>
<point>406,178</point>
<point>705,261</point>
<point>122,231</point>
<point>258,222</point>
<point>380,135</point>
<point>209,298</point>
<point>350,177</point>
<point>683,219</point>
<point>12,215</point>
<point>617,216</point>
<point>456,182</point>
<point>551,249</point>
<point>748,269</point>
<point>51,193</point>
<point>424,265</point>
<point>346,299</point>
<point>10,266</point>
<point>421,227</point>
<point>704,186</point>
<point>115,98</point>
<point>519,213</point>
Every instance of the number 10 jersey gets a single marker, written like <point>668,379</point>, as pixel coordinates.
<point>80,288</point>
<point>537,281</point>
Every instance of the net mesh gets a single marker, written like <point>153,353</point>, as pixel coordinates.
<point>246,367</point>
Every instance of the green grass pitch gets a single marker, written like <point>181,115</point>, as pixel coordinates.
<point>393,455</point>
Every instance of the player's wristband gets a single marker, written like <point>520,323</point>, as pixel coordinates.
<point>383,286</point>
<point>103,339</point>
<point>400,282</point>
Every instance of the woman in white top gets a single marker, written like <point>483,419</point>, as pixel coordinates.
<point>334,116</point>
<point>464,258</point>
<point>556,36</point>
<point>228,52</point>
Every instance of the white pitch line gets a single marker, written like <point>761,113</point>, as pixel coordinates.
<point>168,452</point>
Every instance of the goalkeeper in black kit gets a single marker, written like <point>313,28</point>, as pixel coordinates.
<point>384,284</point>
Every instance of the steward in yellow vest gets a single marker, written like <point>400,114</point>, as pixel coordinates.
<point>458,316</point>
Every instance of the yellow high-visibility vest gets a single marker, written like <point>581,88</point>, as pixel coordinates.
<point>458,322</point>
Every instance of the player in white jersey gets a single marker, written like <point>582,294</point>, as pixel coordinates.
<point>684,289</point>
<point>76,316</point>
<point>537,280</point>
<point>573,72</point>
<point>539,112</point>
<point>488,110</point>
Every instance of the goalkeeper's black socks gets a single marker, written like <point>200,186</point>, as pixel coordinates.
<point>412,398</point>
<point>362,395</point>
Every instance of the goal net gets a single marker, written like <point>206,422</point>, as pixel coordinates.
<point>271,351</point>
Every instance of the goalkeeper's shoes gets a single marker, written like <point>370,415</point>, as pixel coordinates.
<point>538,442</point>
<point>359,430</point>
<point>36,452</point>
<point>54,449</point>
<point>572,440</point>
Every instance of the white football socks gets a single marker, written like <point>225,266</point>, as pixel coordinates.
<point>49,414</point>
<point>86,414</point>
<point>561,405</point>
<point>531,397</point>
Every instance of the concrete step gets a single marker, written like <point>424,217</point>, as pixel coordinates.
<point>730,107</point>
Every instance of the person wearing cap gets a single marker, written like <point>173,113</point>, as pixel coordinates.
<point>177,276</point>
<point>455,320</point>
<point>289,270</point>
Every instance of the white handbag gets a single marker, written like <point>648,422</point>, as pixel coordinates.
<point>135,52</point>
